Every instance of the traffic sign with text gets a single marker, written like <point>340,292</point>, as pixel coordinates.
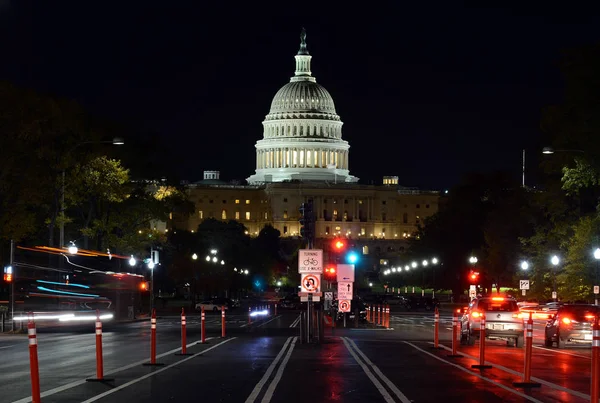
<point>345,289</point>
<point>310,261</point>
<point>345,272</point>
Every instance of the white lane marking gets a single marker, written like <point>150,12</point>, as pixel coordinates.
<point>74,384</point>
<point>517,373</point>
<point>385,379</point>
<point>269,393</point>
<point>265,378</point>
<point>156,372</point>
<point>386,396</point>
<point>516,392</point>
<point>563,352</point>
<point>7,346</point>
<point>295,322</point>
<point>270,320</point>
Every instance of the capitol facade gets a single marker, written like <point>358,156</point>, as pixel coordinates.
<point>302,138</point>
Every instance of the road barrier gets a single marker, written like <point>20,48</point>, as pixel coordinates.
<point>99,358</point>
<point>387,317</point>
<point>153,341</point>
<point>275,309</point>
<point>33,361</point>
<point>481,364</point>
<point>378,315</point>
<point>436,329</point>
<point>526,382</point>
<point>183,335</point>
<point>203,326</point>
<point>249,315</point>
<point>369,314</point>
<point>455,335</point>
<point>223,321</point>
<point>595,376</point>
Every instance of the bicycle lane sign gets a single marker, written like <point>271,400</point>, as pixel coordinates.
<point>310,261</point>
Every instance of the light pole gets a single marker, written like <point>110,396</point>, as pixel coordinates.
<point>117,141</point>
<point>597,257</point>
<point>555,261</point>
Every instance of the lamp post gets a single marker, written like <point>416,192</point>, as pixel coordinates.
<point>555,261</point>
<point>117,141</point>
<point>597,257</point>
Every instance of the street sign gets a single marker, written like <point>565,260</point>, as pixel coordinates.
<point>524,292</point>
<point>344,306</point>
<point>306,294</point>
<point>554,295</point>
<point>310,283</point>
<point>329,296</point>
<point>524,284</point>
<point>310,261</point>
<point>345,272</point>
<point>472,293</point>
<point>596,289</point>
<point>345,290</point>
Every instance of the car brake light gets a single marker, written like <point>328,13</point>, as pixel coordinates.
<point>497,299</point>
<point>566,321</point>
<point>590,317</point>
<point>518,315</point>
<point>476,314</point>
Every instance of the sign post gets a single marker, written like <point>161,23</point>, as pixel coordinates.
<point>596,292</point>
<point>524,286</point>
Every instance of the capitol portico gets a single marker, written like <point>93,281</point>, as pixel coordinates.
<point>302,138</point>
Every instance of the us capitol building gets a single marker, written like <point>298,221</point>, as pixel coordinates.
<point>303,157</point>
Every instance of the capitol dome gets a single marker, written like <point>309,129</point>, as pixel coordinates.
<point>302,136</point>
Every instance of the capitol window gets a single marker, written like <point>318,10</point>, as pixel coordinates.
<point>365,250</point>
<point>237,201</point>
<point>247,215</point>
<point>285,214</point>
<point>223,214</point>
<point>237,215</point>
<point>247,201</point>
<point>200,214</point>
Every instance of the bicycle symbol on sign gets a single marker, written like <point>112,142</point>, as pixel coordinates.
<point>311,261</point>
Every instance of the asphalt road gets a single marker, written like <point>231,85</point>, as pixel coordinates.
<point>265,362</point>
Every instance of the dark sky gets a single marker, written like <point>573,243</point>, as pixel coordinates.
<point>425,93</point>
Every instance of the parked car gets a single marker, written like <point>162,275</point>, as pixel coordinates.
<point>571,324</point>
<point>503,320</point>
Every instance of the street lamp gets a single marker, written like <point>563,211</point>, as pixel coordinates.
<point>524,265</point>
<point>473,259</point>
<point>550,150</point>
<point>117,141</point>
<point>555,261</point>
<point>132,261</point>
<point>73,248</point>
<point>195,256</point>
<point>597,257</point>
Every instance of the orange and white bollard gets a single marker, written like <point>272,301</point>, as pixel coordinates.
<point>249,315</point>
<point>378,314</point>
<point>152,340</point>
<point>481,364</point>
<point>183,334</point>
<point>33,361</point>
<point>223,321</point>
<point>99,358</point>
<point>455,335</point>
<point>368,314</point>
<point>275,309</point>
<point>595,376</point>
<point>203,326</point>
<point>436,328</point>
<point>526,383</point>
<point>387,317</point>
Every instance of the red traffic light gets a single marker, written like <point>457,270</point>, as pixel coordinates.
<point>474,275</point>
<point>339,245</point>
<point>8,278</point>
<point>330,270</point>
<point>143,286</point>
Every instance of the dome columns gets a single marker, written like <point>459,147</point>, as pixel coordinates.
<point>301,157</point>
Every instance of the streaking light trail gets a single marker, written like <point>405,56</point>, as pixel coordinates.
<point>67,284</point>
<point>67,292</point>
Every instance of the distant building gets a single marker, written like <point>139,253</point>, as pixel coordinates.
<point>302,157</point>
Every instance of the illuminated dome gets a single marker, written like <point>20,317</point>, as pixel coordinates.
<point>302,137</point>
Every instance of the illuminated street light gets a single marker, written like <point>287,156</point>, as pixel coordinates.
<point>425,262</point>
<point>132,261</point>
<point>370,284</point>
<point>555,260</point>
<point>72,248</point>
<point>279,284</point>
<point>151,265</point>
<point>407,267</point>
<point>213,251</point>
<point>414,264</point>
<point>214,259</point>
<point>208,258</point>
<point>524,265</point>
<point>246,271</point>
<point>195,256</point>
<point>597,254</point>
<point>434,260</point>
<point>222,262</point>
<point>394,269</point>
<point>473,260</point>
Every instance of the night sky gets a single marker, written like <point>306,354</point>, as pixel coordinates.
<point>427,93</point>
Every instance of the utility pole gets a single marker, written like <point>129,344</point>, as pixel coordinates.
<point>12,284</point>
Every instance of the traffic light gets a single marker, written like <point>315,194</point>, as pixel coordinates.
<point>473,276</point>
<point>339,245</point>
<point>144,286</point>
<point>330,271</point>
<point>352,257</point>
<point>307,222</point>
<point>8,274</point>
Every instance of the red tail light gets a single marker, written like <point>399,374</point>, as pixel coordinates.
<point>476,315</point>
<point>566,321</point>
<point>518,315</point>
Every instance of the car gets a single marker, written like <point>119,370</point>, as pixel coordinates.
<point>571,323</point>
<point>210,305</point>
<point>503,320</point>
